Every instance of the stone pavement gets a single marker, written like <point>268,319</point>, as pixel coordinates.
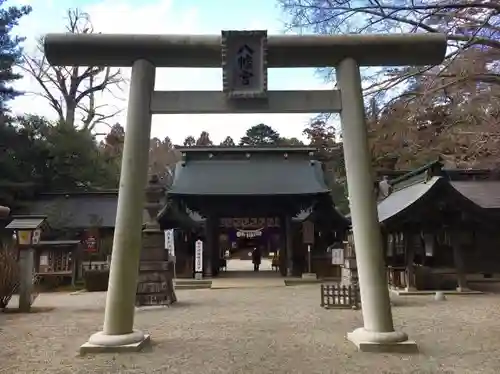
<point>240,274</point>
<point>246,265</point>
<point>278,330</point>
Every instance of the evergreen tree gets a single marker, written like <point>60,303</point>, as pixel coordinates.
<point>260,135</point>
<point>10,51</point>
<point>204,140</point>
<point>190,141</point>
<point>228,142</point>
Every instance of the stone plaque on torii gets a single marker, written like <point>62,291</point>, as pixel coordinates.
<point>246,92</point>
<point>244,64</point>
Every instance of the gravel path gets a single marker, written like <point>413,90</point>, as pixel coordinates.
<point>268,330</point>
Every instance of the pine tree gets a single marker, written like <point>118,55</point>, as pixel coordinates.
<point>10,51</point>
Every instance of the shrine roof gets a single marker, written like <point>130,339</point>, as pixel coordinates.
<point>484,193</point>
<point>251,176</point>
<point>246,148</point>
<point>402,201</point>
<point>77,210</point>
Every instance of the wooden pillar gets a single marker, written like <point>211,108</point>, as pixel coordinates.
<point>208,246</point>
<point>289,246</point>
<point>26,265</point>
<point>215,245</point>
<point>189,247</point>
<point>410,258</point>
<point>458,258</point>
<point>282,246</point>
<point>74,266</point>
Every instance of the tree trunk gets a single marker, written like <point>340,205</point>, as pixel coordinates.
<point>70,114</point>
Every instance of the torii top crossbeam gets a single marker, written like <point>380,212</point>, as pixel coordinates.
<point>204,51</point>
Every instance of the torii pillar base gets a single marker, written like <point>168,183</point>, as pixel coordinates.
<point>382,342</point>
<point>102,343</point>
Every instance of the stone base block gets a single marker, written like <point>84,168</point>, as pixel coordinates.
<point>387,342</point>
<point>309,276</point>
<point>101,343</point>
<point>408,346</point>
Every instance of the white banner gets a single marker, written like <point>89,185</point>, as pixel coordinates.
<point>36,236</point>
<point>337,256</point>
<point>198,257</point>
<point>169,242</point>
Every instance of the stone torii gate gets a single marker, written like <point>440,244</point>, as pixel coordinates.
<point>245,57</point>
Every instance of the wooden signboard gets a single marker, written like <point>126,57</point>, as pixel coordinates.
<point>90,242</point>
<point>249,223</point>
<point>308,232</point>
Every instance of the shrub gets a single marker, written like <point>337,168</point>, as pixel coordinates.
<point>9,274</point>
<point>96,280</point>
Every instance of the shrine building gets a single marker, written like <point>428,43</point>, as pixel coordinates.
<point>239,198</point>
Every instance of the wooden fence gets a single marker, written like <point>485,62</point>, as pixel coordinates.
<point>335,296</point>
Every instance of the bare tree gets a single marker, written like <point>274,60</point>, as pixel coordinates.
<point>409,134</point>
<point>470,26</point>
<point>72,90</point>
<point>162,159</point>
<point>418,113</point>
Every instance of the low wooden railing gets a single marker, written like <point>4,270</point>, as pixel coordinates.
<point>336,296</point>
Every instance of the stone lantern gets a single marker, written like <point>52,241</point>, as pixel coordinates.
<point>154,194</point>
<point>156,272</point>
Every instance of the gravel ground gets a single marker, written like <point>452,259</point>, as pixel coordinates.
<point>268,330</point>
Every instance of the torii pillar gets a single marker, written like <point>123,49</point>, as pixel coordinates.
<point>245,91</point>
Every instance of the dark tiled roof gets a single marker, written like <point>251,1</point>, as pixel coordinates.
<point>432,191</point>
<point>77,210</point>
<point>247,148</point>
<point>249,177</point>
<point>484,193</point>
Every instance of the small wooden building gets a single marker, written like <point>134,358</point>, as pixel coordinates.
<point>81,230</point>
<point>440,228</point>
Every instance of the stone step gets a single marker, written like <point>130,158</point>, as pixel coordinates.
<point>192,284</point>
<point>302,281</point>
<point>226,283</point>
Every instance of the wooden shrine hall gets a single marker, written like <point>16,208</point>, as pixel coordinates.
<point>238,198</point>
<point>441,228</point>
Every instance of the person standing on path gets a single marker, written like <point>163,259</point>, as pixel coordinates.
<point>256,258</point>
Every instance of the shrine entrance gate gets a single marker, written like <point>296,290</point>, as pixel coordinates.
<point>245,57</point>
